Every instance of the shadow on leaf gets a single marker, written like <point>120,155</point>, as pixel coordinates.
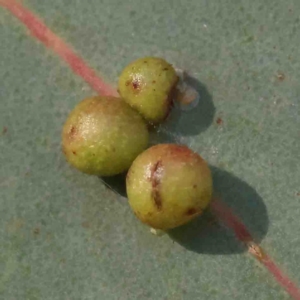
<point>198,119</point>
<point>206,234</point>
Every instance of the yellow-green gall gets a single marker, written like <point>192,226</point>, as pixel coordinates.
<point>147,85</point>
<point>168,185</point>
<point>103,135</point>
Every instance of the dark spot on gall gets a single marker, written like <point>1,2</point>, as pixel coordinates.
<point>145,62</point>
<point>155,179</point>
<point>127,83</point>
<point>194,186</point>
<point>135,84</point>
<point>165,69</point>
<point>72,132</point>
<point>157,199</point>
<point>154,90</point>
<point>74,152</point>
<point>153,81</point>
<point>191,211</point>
<point>219,121</point>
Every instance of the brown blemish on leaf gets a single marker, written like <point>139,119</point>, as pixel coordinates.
<point>280,76</point>
<point>74,152</point>
<point>219,121</point>
<point>153,81</point>
<point>36,231</point>
<point>166,69</point>
<point>4,131</point>
<point>195,186</point>
<point>85,225</point>
<point>155,179</point>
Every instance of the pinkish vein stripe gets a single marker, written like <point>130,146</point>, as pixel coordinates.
<point>40,31</point>
<point>226,216</point>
